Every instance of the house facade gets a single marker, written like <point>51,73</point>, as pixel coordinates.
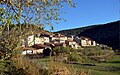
<point>63,38</point>
<point>54,38</point>
<point>30,40</point>
<point>39,40</point>
<point>84,41</point>
<point>72,44</point>
<point>46,39</point>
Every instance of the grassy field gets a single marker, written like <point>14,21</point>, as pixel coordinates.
<point>111,67</point>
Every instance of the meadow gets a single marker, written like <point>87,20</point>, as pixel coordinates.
<point>111,67</point>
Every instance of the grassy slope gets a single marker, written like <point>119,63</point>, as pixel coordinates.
<point>111,67</point>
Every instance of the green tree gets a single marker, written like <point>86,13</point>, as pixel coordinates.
<point>37,12</point>
<point>26,12</point>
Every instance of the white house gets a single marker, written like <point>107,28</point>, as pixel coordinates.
<point>39,40</point>
<point>63,38</point>
<point>26,51</point>
<point>70,38</point>
<point>46,39</point>
<point>54,38</point>
<point>62,41</point>
<point>72,44</point>
<point>38,51</point>
<point>87,41</point>
<point>30,40</point>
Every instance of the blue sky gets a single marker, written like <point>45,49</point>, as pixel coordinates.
<point>89,12</point>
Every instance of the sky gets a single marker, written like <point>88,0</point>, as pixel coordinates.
<point>88,12</point>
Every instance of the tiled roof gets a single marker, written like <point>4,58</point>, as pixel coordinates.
<point>58,44</point>
<point>38,46</point>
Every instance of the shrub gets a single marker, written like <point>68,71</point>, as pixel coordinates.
<point>97,54</point>
<point>61,49</point>
<point>73,57</point>
<point>9,68</point>
<point>65,50</point>
<point>57,68</point>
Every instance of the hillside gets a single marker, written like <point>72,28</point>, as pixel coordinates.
<point>75,31</point>
<point>107,34</point>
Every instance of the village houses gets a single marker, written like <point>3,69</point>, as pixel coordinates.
<point>40,42</point>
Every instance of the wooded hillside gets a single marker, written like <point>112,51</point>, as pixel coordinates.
<point>108,34</point>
